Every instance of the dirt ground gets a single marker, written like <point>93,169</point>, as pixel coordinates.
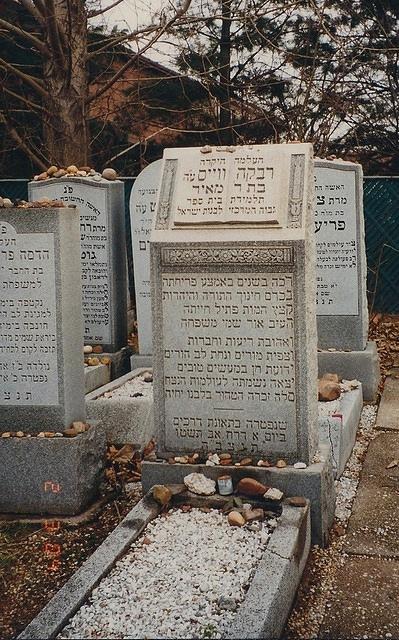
<point>36,560</point>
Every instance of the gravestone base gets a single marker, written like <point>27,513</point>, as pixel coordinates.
<point>339,431</point>
<point>96,377</point>
<point>137,361</point>
<point>120,361</point>
<point>316,483</point>
<point>360,365</point>
<point>123,419</point>
<point>51,475</point>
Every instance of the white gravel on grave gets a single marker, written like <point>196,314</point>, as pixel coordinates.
<point>134,388</point>
<point>184,578</point>
<point>347,484</point>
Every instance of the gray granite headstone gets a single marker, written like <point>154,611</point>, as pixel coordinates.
<point>233,292</point>
<point>103,253</point>
<point>342,316</point>
<point>143,199</point>
<point>41,330</point>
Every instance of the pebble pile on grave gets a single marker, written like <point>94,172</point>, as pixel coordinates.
<point>234,317</point>
<point>100,200</point>
<point>342,316</point>
<point>51,458</point>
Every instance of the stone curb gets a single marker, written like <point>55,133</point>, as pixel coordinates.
<point>269,600</point>
<point>266,606</point>
<point>54,616</point>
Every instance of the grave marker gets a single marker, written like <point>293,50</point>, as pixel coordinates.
<point>342,316</point>
<point>103,254</point>
<point>41,370</point>
<point>142,209</point>
<point>233,290</point>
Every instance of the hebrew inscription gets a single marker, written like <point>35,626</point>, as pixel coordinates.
<point>28,339</point>
<point>229,361</point>
<point>336,242</point>
<point>94,245</point>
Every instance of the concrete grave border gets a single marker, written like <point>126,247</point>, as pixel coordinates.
<point>125,420</point>
<point>264,610</point>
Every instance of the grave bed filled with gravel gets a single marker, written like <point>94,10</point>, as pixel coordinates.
<point>189,575</point>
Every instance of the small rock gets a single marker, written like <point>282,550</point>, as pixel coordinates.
<point>57,434</point>
<point>235,519</point>
<point>245,462</point>
<point>87,348</point>
<point>59,174</point>
<point>7,203</point>
<point>42,176</point>
<point>300,465</point>
<point>181,459</point>
<point>254,526</point>
<point>297,501</point>
<point>254,514</point>
<point>274,494</point>
<point>52,170</point>
<point>332,377</point>
<point>109,174</point>
<point>251,487</point>
<point>97,177</point>
<point>213,459</point>
<point>147,377</point>
<point>98,348</point>
<point>200,484</point>
<point>20,434</point>
<point>81,174</point>
<point>40,435</point>
<point>93,362</point>
<point>6,434</point>
<point>263,463</point>
<point>193,459</point>
<point>49,434</point>
<point>86,169</point>
<point>392,464</point>
<point>161,494</point>
<point>72,169</point>
<point>328,391</point>
<point>78,426</point>
<point>280,464</point>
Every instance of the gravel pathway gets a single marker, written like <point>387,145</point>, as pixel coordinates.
<point>319,581</point>
<point>184,578</point>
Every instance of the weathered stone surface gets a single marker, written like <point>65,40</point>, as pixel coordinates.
<point>41,341</point>
<point>96,377</point>
<point>388,411</point>
<point>342,316</point>
<point>51,475</point>
<point>102,228</point>
<point>142,209</point>
<point>123,419</point>
<point>230,330</point>
<point>354,365</point>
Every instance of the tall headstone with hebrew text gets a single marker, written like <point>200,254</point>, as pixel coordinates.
<point>342,317</point>
<point>233,290</point>
<point>103,253</point>
<point>143,199</point>
<point>41,335</point>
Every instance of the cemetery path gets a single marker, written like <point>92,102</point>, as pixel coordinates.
<point>351,589</point>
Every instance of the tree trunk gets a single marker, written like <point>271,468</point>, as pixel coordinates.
<point>225,115</point>
<point>65,77</point>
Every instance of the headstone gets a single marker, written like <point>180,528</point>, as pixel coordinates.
<point>41,333</point>
<point>342,316</point>
<point>103,253</point>
<point>143,199</point>
<point>233,290</point>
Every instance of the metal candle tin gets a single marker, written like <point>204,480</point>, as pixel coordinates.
<point>225,485</point>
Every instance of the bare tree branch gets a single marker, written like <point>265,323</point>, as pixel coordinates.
<point>13,133</point>
<point>33,82</point>
<point>93,14</point>
<point>179,13</point>
<point>24,34</point>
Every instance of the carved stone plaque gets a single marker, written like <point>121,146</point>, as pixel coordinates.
<point>28,319</point>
